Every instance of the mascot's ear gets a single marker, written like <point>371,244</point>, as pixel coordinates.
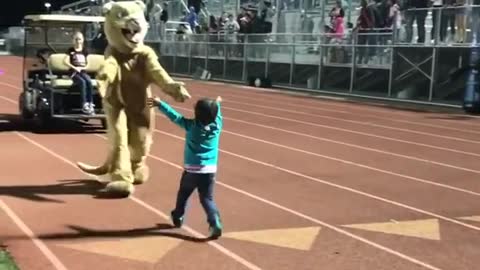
<point>141,4</point>
<point>107,7</point>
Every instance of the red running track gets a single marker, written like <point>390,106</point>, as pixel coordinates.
<point>303,182</point>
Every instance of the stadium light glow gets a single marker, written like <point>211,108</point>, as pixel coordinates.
<point>47,6</point>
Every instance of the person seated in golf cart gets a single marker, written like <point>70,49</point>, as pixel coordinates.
<point>76,59</point>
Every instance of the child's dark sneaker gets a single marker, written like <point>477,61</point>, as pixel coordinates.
<point>215,232</point>
<point>216,229</point>
<point>177,222</point>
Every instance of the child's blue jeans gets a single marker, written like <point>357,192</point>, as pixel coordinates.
<point>204,182</point>
<point>85,84</point>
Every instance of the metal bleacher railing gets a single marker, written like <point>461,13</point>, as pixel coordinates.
<point>409,63</point>
<point>376,63</point>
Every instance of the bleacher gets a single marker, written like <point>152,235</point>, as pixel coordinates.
<point>400,70</point>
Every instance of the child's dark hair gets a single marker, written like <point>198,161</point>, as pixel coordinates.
<point>206,111</point>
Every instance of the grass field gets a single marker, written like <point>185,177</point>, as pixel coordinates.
<point>6,261</point>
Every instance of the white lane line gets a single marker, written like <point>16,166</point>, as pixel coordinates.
<point>31,235</point>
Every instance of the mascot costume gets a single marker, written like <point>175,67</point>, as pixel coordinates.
<point>124,84</point>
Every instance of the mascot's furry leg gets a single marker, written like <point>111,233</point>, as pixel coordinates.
<point>140,128</point>
<point>120,168</point>
<point>117,166</point>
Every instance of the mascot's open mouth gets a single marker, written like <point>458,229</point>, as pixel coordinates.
<point>133,36</point>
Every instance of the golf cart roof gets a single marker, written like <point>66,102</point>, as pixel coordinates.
<point>62,18</point>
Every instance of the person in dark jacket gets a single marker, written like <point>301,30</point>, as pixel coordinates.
<point>365,23</point>
<point>416,15</point>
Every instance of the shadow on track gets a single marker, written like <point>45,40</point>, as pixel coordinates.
<point>158,230</point>
<point>80,232</point>
<point>14,122</point>
<point>44,193</point>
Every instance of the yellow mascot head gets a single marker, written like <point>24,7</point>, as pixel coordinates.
<point>125,25</point>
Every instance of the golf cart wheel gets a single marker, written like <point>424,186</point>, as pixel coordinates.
<point>23,100</point>
<point>43,119</point>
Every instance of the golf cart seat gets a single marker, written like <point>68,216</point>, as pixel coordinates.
<point>62,80</point>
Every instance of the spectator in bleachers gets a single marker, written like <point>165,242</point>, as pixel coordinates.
<point>192,19</point>
<point>267,12</point>
<point>382,11</point>
<point>436,11</point>
<point>256,30</point>
<point>213,30</point>
<point>365,22</point>
<point>222,20</point>
<point>306,27</point>
<point>241,14</point>
<point>184,30</point>
<point>212,26</point>
<point>164,19</point>
<point>231,27</point>
<point>183,36</point>
<point>149,4</point>
<point>448,20</point>
<point>336,38</point>
<point>394,21</point>
<point>418,16</point>
<point>335,12</point>
<point>244,22</point>
<point>461,20</point>
<point>338,28</point>
<point>154,20</point>
<point>255,25</point>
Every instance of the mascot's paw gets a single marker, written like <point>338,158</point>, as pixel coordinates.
<point>119,189</point>
<point>178,91</point>
<point>141,175</point>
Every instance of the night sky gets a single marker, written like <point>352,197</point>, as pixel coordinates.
<point>16,10</point>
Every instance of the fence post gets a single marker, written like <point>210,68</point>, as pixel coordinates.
<point>292,62</point>
<point>245,50</point>
<point>354,60</point>
<point>267,55</point>
<point>320,63</point>
<point>432,73</point>
<point>207,45</point>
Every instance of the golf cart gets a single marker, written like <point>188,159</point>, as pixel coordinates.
<point>49,93</point>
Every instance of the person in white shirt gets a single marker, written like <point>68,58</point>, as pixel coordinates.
<point>436,4</point>
<point>231,29</point>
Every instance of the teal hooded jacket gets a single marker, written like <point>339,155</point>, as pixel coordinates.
<point>201,142</point>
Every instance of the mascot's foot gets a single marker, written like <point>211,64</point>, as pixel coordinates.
<point>104,179</point>
<point>119,189</point>
<point>141,175</point>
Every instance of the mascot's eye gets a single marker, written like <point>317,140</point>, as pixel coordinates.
<point>122,14</point>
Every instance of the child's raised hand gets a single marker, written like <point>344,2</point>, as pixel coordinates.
<point>153,101</point>
<point>219,99</point>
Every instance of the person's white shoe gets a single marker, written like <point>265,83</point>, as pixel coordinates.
<point>86,108</point>
<point>92,108</point>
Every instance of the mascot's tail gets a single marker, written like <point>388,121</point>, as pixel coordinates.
<point>100,170</point>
